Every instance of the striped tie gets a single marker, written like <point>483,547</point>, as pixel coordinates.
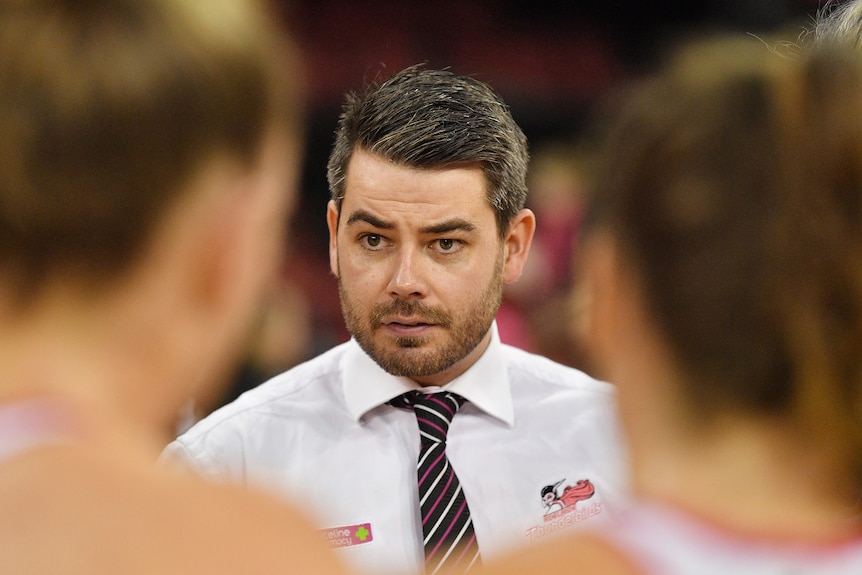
<point>450,543</point>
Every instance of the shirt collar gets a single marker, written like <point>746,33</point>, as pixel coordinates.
<point>485,384</point>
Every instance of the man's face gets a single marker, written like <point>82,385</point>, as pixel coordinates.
<point>420,266</point>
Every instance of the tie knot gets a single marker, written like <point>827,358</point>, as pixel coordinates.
<point>434,411</point>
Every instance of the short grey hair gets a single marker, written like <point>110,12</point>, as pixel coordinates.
<point>434,119</point>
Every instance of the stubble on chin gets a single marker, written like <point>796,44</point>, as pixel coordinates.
<point>418,356</point>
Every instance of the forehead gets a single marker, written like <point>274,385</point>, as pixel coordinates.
<point>393,190</point>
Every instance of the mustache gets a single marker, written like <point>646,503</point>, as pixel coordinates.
<point>413,309</point>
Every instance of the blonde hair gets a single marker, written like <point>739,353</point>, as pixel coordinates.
<point>733,184</point>
<point>108,106</point>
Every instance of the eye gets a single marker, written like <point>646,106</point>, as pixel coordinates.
<point>371,241</point>
<point>447,244</point>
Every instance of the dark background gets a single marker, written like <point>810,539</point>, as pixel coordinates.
<point>551,61</point>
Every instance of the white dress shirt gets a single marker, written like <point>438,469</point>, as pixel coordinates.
<point>322,435</point>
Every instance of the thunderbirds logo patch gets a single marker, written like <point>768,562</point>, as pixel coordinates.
<point>571,494</point>
<point>562,509</point>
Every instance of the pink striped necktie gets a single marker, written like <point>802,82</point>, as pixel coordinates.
<point>450,542</point>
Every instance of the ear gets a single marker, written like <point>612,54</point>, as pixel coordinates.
<point>225,251</point>
<point>606,303</point>
<point>248,224</point>
<point>202,276</point>
<point>516,245</point>
<point>332,224</point>
<point>235,234</point>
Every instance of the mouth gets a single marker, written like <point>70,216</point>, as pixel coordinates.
<point>408,322</point>
<point>407,327</point>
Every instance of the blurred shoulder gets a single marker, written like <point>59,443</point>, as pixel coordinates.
<point>112,514</point>
<point>584,554</point>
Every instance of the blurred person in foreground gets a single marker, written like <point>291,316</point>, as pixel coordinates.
<point>723,254</point>
<point>427,224</point>
<point>148,153</point>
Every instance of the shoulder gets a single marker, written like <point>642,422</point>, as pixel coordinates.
<point>273,407</point>
<point>320,376</point>
<point>244,531</point>
<point>585,554</point>
<point>129,508</point>
<point>526,367</point>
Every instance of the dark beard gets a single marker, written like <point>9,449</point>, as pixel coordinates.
<point>410,360</point>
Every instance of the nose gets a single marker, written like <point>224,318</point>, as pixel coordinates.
<point>407,280</point>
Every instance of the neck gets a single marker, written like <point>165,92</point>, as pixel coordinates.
<point>88,361</point>
<point>745,472</point>
<point>445,377</point>
<point>751,478</point>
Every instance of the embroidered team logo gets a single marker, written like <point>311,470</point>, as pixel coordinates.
<point>571,494</point>
<point>562,509</point>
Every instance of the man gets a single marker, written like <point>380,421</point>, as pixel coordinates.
<point>147,151</point>
<point>427,224</point>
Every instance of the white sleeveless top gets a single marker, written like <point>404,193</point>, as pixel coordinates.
<point>663,541</point>
<point>32,423</point>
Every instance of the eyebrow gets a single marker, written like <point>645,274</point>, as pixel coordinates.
<point>363,216</point>
<point>455,224</point>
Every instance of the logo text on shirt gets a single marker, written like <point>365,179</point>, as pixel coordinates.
<point>347,535</point>
<point>562,509</point>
